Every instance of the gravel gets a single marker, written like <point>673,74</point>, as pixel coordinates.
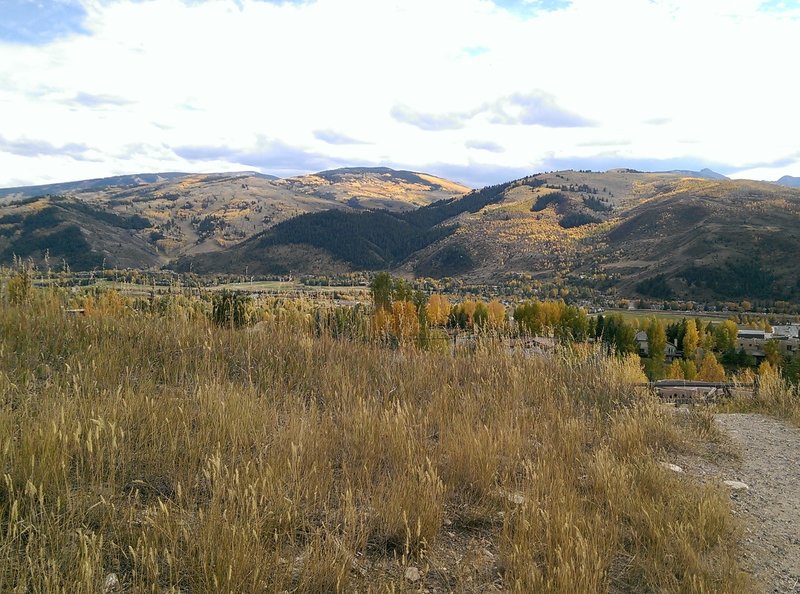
<point>769,506</point>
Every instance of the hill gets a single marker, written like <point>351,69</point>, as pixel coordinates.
<point>59,231</point>
<point>338,241</point>
<point>88,185</point>
<point>656,234</point>
<point>660,235</point>
<point>705,173</point>
<point>182,214</point>
<point>789,181</point>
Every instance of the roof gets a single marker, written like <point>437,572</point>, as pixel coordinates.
<point>790,330</point>
<point>752,334</point>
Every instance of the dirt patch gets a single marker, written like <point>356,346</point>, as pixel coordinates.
<point>766,459</point>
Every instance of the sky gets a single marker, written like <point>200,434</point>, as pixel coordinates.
<point>478,91</point>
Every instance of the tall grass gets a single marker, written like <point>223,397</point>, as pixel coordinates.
<point>774,396</point>
<point>186,457</point>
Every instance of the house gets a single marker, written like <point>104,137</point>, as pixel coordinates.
<point>787,346</point>
<point>753,342</point>
<point>671,351</point>
<point>748,334</point>
<point>641,340</point>
<point>532,346</point>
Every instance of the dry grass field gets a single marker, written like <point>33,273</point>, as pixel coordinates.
<point>183,457</point>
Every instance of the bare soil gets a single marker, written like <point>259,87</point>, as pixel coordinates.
<point>766,457</point>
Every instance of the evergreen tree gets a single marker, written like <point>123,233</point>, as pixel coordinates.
<point>381,289</point>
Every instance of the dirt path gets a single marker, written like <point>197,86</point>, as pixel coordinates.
<point>770,466</point>
<point>770,507</point>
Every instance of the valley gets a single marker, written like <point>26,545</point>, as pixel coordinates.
<point>650,235</point>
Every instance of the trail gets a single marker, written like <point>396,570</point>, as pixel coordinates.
<point>770,508</point>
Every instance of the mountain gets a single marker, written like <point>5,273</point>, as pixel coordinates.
<point>88,185</point>
<point>660,235</point>
<point>336,240</point>
<point>179,214</point>
<point>656,234</point>
<point>789,181</point>
<point>374,187</point>
<point>59,231</point>
<point>104,183</point>
<point>703,173</point>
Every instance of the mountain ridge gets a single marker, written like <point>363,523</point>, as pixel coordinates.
<point>657,235</point>
<point>789,181</point>
<point>193,213</point>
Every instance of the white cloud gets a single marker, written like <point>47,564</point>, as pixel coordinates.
<point>669,76</point>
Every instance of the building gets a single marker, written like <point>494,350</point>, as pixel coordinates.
<point>754,341</point>
<point>671,351</point>
<point>788,330</point>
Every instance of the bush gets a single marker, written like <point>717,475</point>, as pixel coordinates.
<point>577,219</point>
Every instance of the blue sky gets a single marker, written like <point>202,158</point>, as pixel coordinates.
<point>478,90</point>
<point>40,21</point>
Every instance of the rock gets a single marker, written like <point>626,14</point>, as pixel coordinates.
<point>298,565</point>
<point>412,574</point>
<point>672,467</point>
<point>515,498</point>
<point>111,583</point>
<point>737,485</point>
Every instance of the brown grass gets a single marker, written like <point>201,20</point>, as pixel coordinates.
<point>774,396</point>
<point>184,457</point>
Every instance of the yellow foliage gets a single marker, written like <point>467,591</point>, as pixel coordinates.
<point>691,340</point>
<point>405,323</point>
<point>109,303</point>
<point>381,322</point>
<point>437,310</point>
<point>710,369</point>
<point>675,370</point>
<point>468,307</point>
<point>766,369</point>
<point>497,314</point>
<point>746,376</point>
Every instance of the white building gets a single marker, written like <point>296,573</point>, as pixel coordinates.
<point>788,330</point>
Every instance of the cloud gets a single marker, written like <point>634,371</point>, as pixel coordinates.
<point>779,6</point>
<point>773,163</point>
<point>530,8</point>
<point>333,137</point>
<point>37,22</point>
<point>476,50</point>
<point>610,161</point>
<point>527,91</point>
<point>95,101</point>
<point>429,121</point>
<point>269,155</point>
<point>535,108</point>
<point>485,145</point>
<point>474,175</point>
<point>25,147</point>
<point>605,142</point>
